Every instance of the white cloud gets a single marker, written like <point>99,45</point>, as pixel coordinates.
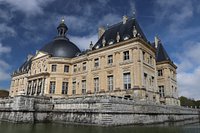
<point>176,12</point>
<point>6,30</point>
<point>29,7</point>
<point>189,70</point>
<point>4,49</point>
<point>4,66</point>
<point>84,42</point>
<point>109,19</point>
<point>4,75</point>
<point>6,15</point>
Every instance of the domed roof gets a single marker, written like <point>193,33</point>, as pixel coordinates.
<point>61,46</point>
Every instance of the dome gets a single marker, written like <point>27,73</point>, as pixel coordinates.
<point>61,46</point>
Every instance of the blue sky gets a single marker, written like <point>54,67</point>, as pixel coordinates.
<point>27,25</point>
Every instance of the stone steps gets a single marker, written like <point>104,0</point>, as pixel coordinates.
<point>107,106</point>
<point>107,119</point>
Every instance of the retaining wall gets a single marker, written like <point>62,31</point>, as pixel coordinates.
<point>99,110</point>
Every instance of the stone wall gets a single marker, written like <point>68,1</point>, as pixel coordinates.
<point>99,110</point>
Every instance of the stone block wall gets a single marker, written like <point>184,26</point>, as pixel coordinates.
<point>99,110</point>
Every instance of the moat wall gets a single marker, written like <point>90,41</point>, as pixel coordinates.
<point>99,110</point>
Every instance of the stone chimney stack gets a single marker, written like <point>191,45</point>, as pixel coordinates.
<point>101,31</point>
<point>157,40</point>
<point>125,18</point>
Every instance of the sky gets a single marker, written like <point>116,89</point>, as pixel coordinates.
<point>27,25</point>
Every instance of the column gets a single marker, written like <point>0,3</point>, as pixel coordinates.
<point>31,87</point>
<point>42,87</point>
<point>36,87</point>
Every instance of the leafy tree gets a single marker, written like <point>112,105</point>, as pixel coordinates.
<point>3,93</point>
<point>189,102</point>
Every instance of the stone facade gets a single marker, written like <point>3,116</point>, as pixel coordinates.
<point>127,69</point>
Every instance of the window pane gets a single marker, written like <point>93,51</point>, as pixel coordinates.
<point>65,88</point>
<point>127,81</point>
<point>52,87</point>
<point>53,68</point>
<point>66,68</point>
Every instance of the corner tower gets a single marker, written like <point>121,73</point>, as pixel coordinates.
<point>166,76</point>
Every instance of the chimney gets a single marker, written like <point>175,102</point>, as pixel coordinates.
<point>101,31</point>
<point>157,40</point>
<point>125,18</point>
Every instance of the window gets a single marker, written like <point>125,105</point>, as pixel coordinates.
<point>127,81</point>
<point>161,91</point>
<point>66,68</point>
<point>73,87</point>
<point>110,59</point>
<point>83,86</point>
<point>84,66</point>
<point>96,84</point>
<point>39,86</point>
<point>64,87</point>
<point>75,68</point>
<point>145,79</point>
<point>143,56</point>
<point>152,80</point>
<point>96,62</point>
<point>53,68</point>
<point>110,82</point>
<point>160,73</point>
<point>151,60</point>
<point>52,87</point>
<point>126,55</point>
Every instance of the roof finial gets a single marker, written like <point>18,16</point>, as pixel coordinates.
<point>62,28</point>
<point>134,14</point>
<point>63,20</point>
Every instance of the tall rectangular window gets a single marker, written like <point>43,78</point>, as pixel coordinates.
<point>83,86</point>
<point>127,80</point>
<point>66,68</point>
<point>75,68</point>
<point>96,62</point>
<point>64,87</point>
<point>143,56</point>
<point>110,82</point>
<point>126,55</point>
<point>161,91</point>
<point>74,88</point>
<point>52,87</point>
<point>151,60</point>
<point>110,59</point>
<point>96,84</point>
<point>53,68</point>
<point>84,66</point>
<point>145,79</point>
<point>160,72</point>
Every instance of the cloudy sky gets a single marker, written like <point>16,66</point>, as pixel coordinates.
<point>26,25</point>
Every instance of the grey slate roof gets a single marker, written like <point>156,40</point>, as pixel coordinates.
<point>25,67</point>
<point>124,30</point>
<point>161,54</point>
<point>61,47</point>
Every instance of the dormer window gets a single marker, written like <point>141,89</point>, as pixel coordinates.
<point>126,37</point>
<point>111,42</point>
<point>97,46</point>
